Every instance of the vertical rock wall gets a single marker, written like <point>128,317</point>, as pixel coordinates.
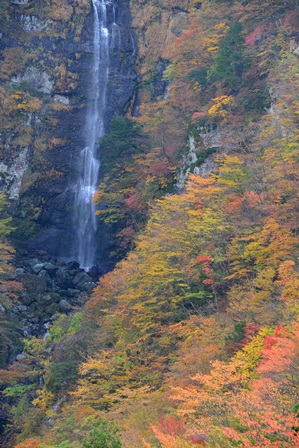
<point>44,76</point>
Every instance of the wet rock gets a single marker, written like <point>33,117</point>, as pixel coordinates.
<point>38,267</point>
<point>96,271</point>
<point>73,266</point>
<point>64,279</point>
<point>80,279</point>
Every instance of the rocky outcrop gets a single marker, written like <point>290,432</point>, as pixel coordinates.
<point>11,175</point>
<point>199,158</point>
<point>49,287</point>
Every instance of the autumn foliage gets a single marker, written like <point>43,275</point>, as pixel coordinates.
<point>192,339</point>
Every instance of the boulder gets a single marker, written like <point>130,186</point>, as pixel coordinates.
<point>51,269</point>
<point>64,305</point>
<point>63,278</point>
<point>38,267</point>
<point>33,283</point>
<point>80,279</point>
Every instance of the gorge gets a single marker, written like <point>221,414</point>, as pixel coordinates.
<point>149,261</point>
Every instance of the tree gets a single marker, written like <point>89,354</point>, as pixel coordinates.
<point>124,139</point>
<point>229,62</point>
<point>104,434</point>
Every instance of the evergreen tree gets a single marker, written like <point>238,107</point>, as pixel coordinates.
<point>123,140</point>
<point>229,62</point>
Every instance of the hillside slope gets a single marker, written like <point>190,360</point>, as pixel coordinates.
<point>193,338</point>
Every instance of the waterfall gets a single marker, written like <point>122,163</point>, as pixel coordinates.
<point>104,36</point>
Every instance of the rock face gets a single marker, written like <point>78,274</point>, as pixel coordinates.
<point>49,287</point>
<point>45,77</point>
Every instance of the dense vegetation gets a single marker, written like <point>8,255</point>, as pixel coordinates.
<point>193,338</point>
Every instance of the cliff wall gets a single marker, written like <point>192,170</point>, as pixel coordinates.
<point>46,54</point>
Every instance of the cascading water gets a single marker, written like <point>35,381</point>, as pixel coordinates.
<point>85,224</point>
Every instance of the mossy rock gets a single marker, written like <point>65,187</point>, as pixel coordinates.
<point>10,340</point>
<point>34,284</point>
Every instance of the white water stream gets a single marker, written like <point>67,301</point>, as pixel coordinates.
<point>105,36</point>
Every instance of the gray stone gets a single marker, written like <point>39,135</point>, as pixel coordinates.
<point>51,269</point>
<point>88,287</point>
<point>296,51</point>
<point>39,79</point>
<point>61,99</point>
<point>21,308</point>
<point>19,271</point>
<point>294,47</point>
<point>45,275</point>
<point>72,292</point>
<point>21,356</point>
<point>27,331</point>
<point>62,293</point>
<point>33,24</point>
<point>38,267</point>
<point>80,279</point>
<point>27,299</point>
<point>207,167</point>
<point>47,299</point>
<point>19,2</point>
<point>11,176</point>
<point>186,161</point>
<point>63,278</point>
<point>64,305</point>
<point>31,262</point>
